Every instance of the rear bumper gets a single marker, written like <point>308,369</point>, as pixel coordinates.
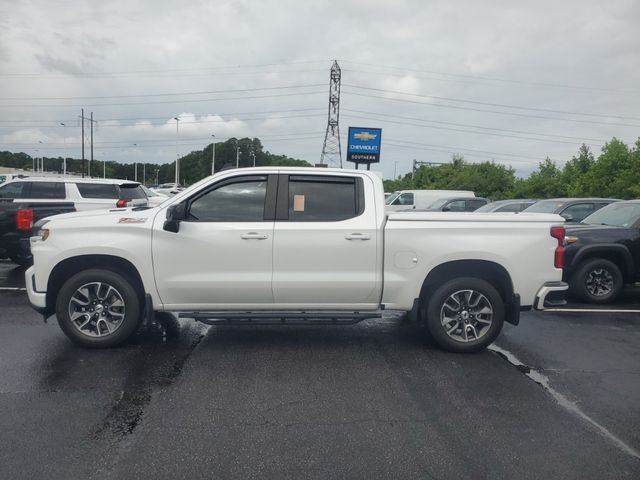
<point>37,299</point>
<point>551,295</point>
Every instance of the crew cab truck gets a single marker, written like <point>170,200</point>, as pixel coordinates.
<point>293,245</point>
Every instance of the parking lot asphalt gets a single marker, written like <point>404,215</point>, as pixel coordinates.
<point>557,397</point>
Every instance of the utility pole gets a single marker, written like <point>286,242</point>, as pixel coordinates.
<point>91,162</point>
<point>64,153</point>
<point>82,117</point>
<point>331,149</point>
<point>177,180</point>
<point>213,154</point>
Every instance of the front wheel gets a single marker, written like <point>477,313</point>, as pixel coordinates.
<point>465,315</point>
<point>98,308</point>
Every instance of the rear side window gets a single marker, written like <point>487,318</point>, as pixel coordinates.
<point>323,199</point>
<point>455,206</point>
<point>475,204</point>
<point>47,190</point>
<point>97,190</point>
<point>12,190</point>
<point>131,191</point>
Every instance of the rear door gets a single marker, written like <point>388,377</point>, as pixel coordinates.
<point>325,243</point>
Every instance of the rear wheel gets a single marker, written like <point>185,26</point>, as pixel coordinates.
<point>465,315</point>
<point>98,308</point>
<point>597,281</point>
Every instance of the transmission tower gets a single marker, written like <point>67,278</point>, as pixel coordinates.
<point>331,150</point>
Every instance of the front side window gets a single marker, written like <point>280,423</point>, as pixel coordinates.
<point>475,204</point>
<point>240,201</point>
<point>12,190</point>
<point>455,206</point>
<point>97,190</point>
<point>322,199</point>
<point>579,211</point>
<point>47,190</point>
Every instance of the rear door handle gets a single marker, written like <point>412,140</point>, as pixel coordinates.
<point>357,236</point>
<point>253,236</point>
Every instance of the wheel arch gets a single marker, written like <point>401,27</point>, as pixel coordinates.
<point>616,253</point>
<point>72,265</point>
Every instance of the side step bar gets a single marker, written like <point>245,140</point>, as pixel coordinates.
<point>319,317</point>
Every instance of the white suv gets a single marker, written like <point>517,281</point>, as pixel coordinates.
<point>85,193</point>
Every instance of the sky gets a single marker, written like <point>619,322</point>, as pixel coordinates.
<point>512,82</point>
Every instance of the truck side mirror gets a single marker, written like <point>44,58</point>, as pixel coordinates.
<point>175,214</point>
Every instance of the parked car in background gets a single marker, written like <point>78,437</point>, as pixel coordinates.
<point>168,189</point>
<point>603,252</point>
<point>514,206</point>
<point>574,210</point>
<point>457,204</point>
<point>24,201</point>
<point>421,199</point>
<point>154,197</point>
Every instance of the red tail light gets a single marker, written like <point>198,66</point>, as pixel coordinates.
<point>122,203</point>
<point>24,219</point>
<point>558,233</point>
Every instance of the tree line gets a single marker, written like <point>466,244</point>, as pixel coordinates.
<point>193,166</point>
<point>615,173</point>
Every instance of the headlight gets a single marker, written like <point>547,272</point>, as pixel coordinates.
<point>39,233</point>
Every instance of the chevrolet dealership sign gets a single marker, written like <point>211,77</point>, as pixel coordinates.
<point>364,145</point>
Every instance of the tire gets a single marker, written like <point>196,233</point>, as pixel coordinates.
<point>22,260</point>
<point>475,299</point>
<point>597,281</point>
<point>87,298</point>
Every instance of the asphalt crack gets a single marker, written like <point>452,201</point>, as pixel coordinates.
<point>563,401</point>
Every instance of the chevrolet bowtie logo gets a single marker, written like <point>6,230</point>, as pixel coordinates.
<point>364,136</point>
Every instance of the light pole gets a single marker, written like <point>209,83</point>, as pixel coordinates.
<point>64,152</point>
<point>395,168</point>
<point>144,173</point>
<point>253,154</point>
<point>213,154</point>
<point>157,175</point>
<point>104,167</point>
<point>41,160</point>
<point>177,180</point>
<point>135,167</point>
<point>33,162</point>
<point>237,154</point>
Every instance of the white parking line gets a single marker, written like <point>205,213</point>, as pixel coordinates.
<point>590,310</point>
<point>13,289</point>
<point>563,401</point>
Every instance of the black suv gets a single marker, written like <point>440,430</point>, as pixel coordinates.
<point>574,210</point>
<point>603,252</point>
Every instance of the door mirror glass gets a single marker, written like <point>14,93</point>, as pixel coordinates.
<point>175,214</point>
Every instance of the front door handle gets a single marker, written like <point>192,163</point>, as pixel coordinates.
<point>357,236</point>
<point>253,236</point>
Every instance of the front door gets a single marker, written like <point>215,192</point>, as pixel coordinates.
<point>326,245</point>
<point>222,254</point>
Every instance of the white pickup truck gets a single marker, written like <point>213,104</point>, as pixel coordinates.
<point>293,245</point>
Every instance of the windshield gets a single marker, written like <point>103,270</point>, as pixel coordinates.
<point>392,197</point>
<point>545,206</point>
<point>616,215</point>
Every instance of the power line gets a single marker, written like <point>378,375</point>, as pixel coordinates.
<point>489,104</point>
<point>201,100</point>
<point>492,79</point>
<point>158,71</point>
<point>206,92</point>
<point>497,112</point>
<point>386,120</point>
<point>482,127</point>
